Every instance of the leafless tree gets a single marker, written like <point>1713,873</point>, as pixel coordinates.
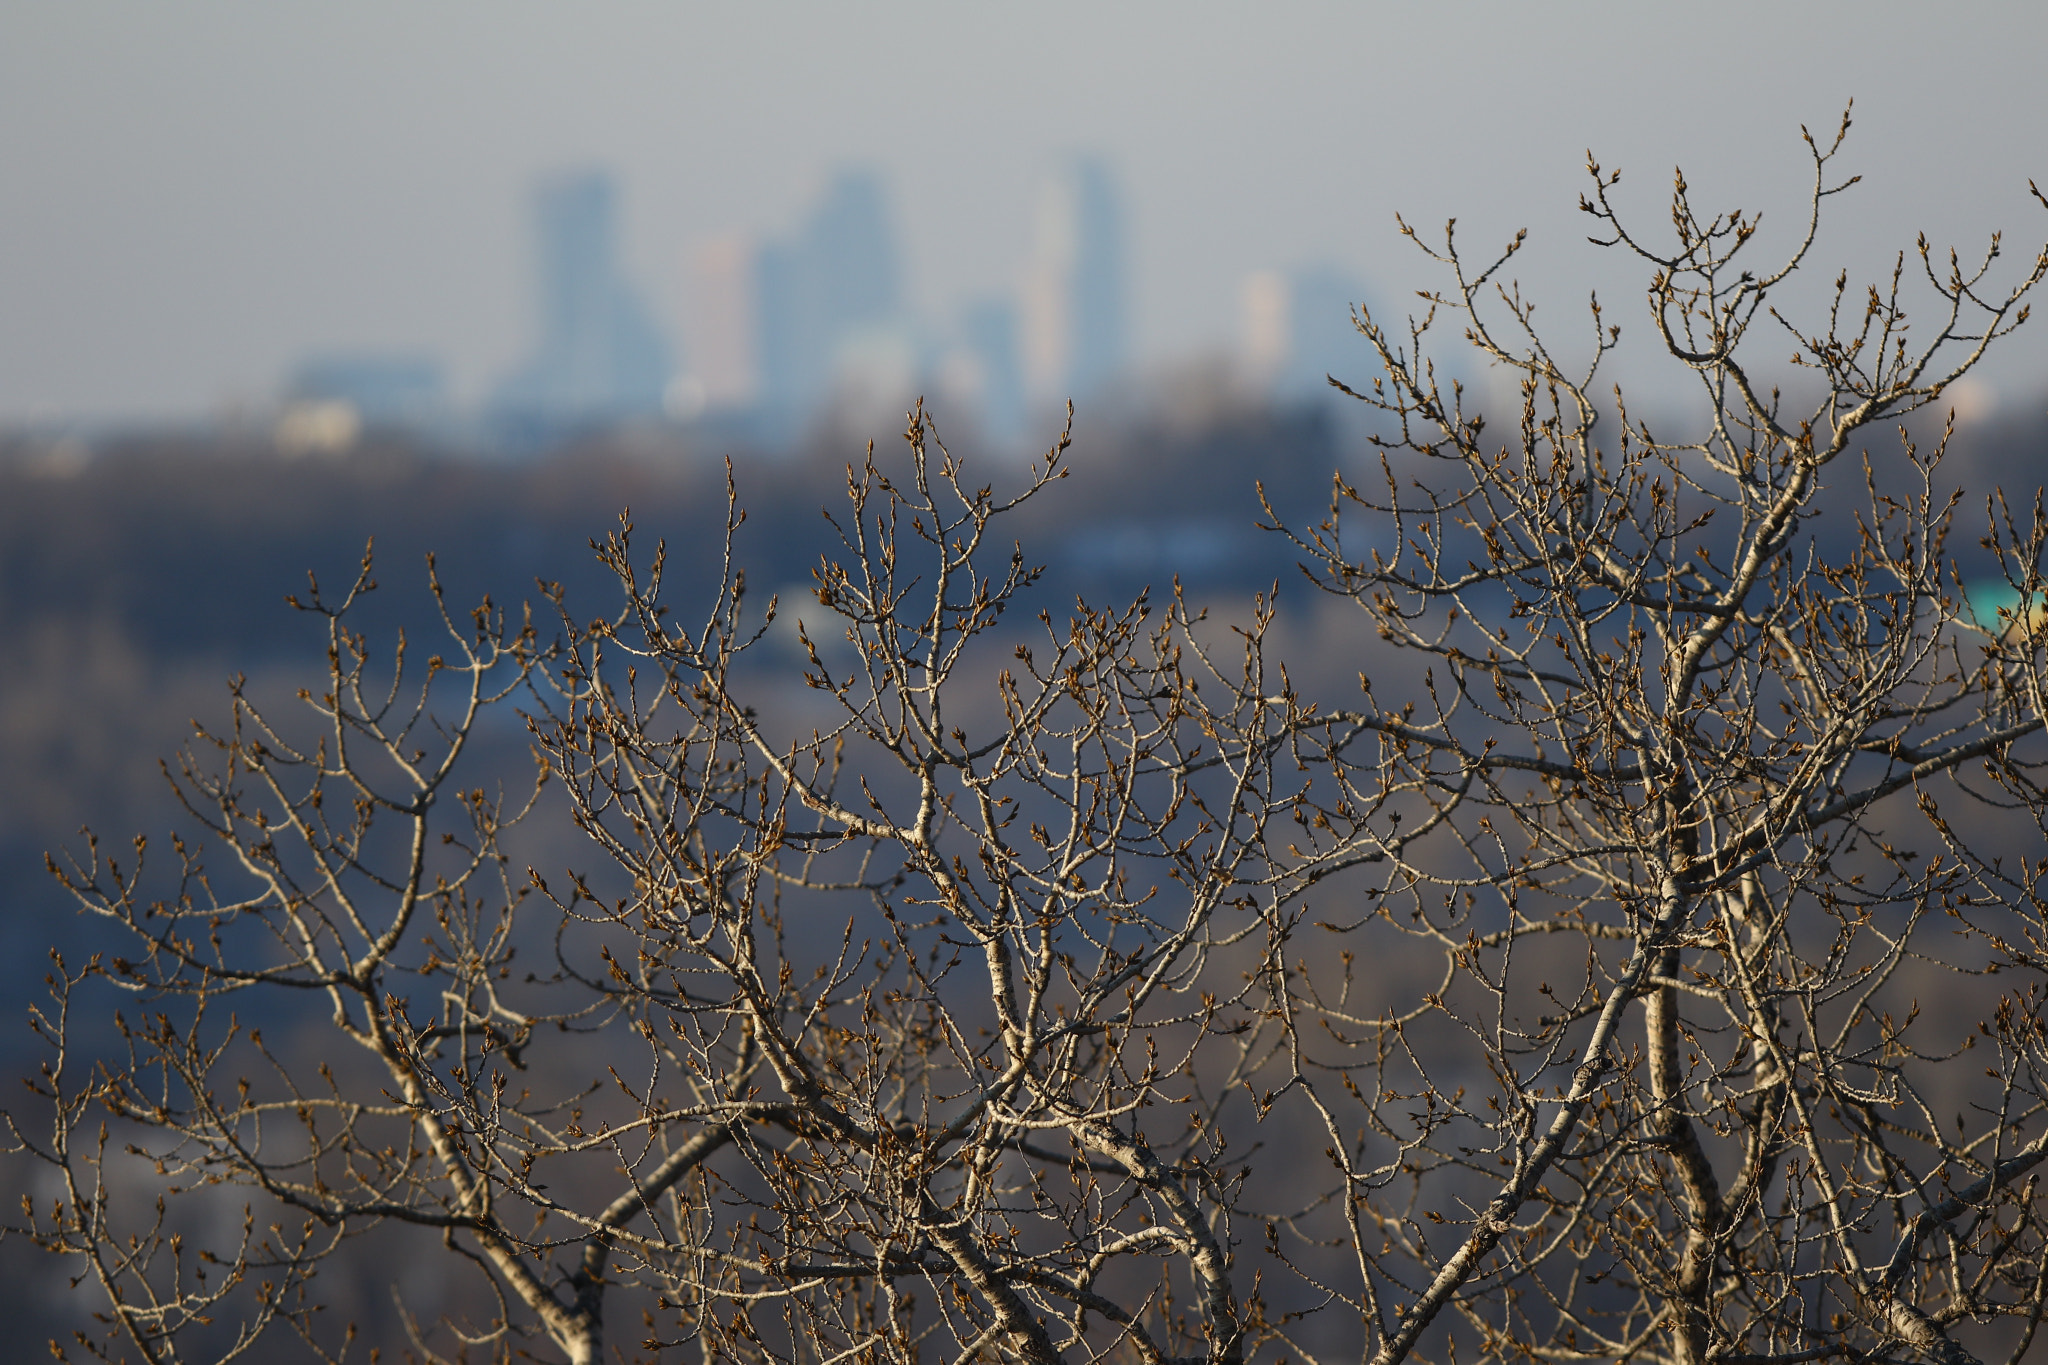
<point>1079,988</point>
<point>1764,790</point>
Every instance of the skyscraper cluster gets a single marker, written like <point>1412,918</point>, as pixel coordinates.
<point>775,328</point>
<point>779,326</point>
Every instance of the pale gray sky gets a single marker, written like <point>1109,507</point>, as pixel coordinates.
<point>194,195</point>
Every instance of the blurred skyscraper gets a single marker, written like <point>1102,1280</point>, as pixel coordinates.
<point>792,358</point>
<point>1074,303</point>
<point>829,302</point>
<point>600,355</point>
<point>989,330</point>
<point>852,249</point>
<point>1297,331</point>
<point>722,331</point>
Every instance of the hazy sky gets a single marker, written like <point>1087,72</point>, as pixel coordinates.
<point>195,195</point>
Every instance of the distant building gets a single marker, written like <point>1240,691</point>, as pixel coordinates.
<point>829,312</point>
<point>851,249</point>
<point>1074,297</point>
<point>722,331</point>
<point>791,353</point>
<point>1266,317</point>
<point>1296,330</point>
<point>600,356</point>
<point>989,333</point>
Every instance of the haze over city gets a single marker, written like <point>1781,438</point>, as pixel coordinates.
<point>203,202</point>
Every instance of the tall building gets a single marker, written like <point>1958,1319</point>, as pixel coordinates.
<point>852,248</point>
<point>1325,339</point>
<point>600,356</point>
<point>791,356</point>
<point>989,329</point>
<point>722,331</point>
<point>1265,308</point>
<point>829,300</point>
<point>1074,296</point>
<point>1297,330</point>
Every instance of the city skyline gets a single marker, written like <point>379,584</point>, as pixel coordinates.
<point>779,324</point>
<point>196,198</point>
<point>782,323</point>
